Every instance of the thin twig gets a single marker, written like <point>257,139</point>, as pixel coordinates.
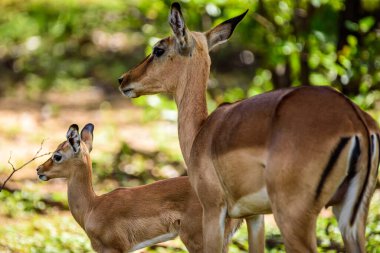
<point>14,169</point>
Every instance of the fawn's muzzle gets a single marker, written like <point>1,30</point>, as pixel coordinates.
<point>41,176</point>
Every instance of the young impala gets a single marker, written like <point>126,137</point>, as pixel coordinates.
<point>126,219</point>
<point>290,151</point>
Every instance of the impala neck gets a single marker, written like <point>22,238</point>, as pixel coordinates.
<point>81,195</point>
<point>190,98</point>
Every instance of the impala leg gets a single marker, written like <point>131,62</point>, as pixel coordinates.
<point>230,228</point>
<point>353,236</point>
<point>204,180</point>
<point>213,229</point>
<point>191,230</point>
<point>96,245</point>
<point>193,239</point>
<point>256,234</point>
<point>352,227</point>
<point>296,218</point>
<point>351,220</point>
<point>298,230</point>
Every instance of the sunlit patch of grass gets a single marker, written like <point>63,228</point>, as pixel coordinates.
<point>20,203</point>
<point>328,233</point>
<point>54,233</point>
<point>373,225</point>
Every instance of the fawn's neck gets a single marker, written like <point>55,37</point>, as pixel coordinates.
<point>81,195</point>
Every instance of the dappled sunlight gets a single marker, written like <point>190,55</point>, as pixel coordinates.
<point>60,62</point>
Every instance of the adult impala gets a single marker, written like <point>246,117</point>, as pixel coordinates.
<point>126,219</point>
<point>290,151</point>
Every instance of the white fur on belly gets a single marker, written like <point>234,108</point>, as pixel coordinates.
<point>155,240</point>
<point>254,203</point>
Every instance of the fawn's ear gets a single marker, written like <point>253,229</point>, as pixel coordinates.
<point>73,137</point>
<point>222,32</point>
<point>181,34</point>
<point>87,135</point>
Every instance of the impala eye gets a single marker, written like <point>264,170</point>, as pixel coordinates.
<point>57,157</point>
<point>158,51</point>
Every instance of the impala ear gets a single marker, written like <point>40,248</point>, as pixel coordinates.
<point>73,137</point>
<point>222,32</point>
<point>87,135</point>
<point>177,23</point>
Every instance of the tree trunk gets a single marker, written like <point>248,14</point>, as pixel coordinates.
<point>352,13</point>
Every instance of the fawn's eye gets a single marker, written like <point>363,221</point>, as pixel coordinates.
<point>158,51</point>
<point>57,157</point>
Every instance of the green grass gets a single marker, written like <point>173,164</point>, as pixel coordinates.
<point>53,233</point>
<point>29,226</point>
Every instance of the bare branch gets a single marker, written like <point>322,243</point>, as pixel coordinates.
<point>14,169</point>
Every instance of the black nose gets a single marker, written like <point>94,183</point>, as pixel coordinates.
<point>120,80</point>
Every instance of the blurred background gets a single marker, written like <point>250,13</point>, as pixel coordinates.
<point>59,64</point>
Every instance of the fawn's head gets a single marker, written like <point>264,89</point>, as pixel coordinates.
<point>182,56</point>
<point>70,155</point>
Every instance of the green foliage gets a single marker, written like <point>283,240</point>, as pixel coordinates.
<point>157,107</point>
<point>67,44</point>
<point>133,167</point>
<point>20,202</point>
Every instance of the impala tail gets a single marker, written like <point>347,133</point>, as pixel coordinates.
<point>351,201</point>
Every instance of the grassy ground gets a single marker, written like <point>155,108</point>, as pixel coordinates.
<point>128,150</point>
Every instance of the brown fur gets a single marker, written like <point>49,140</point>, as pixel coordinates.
<point>277,142</point>
<point>119,220</point>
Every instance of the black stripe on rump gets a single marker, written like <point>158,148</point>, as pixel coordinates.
<point>369,162</point>
<point>330,165</point>
<point>352,169</point>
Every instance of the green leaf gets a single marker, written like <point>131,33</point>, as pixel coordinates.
<point>365,24</point>
<point>352,40</point>
<point>352,26</point>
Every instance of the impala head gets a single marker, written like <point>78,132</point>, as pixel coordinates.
<point>69,154</point>
<point>183,55</point>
